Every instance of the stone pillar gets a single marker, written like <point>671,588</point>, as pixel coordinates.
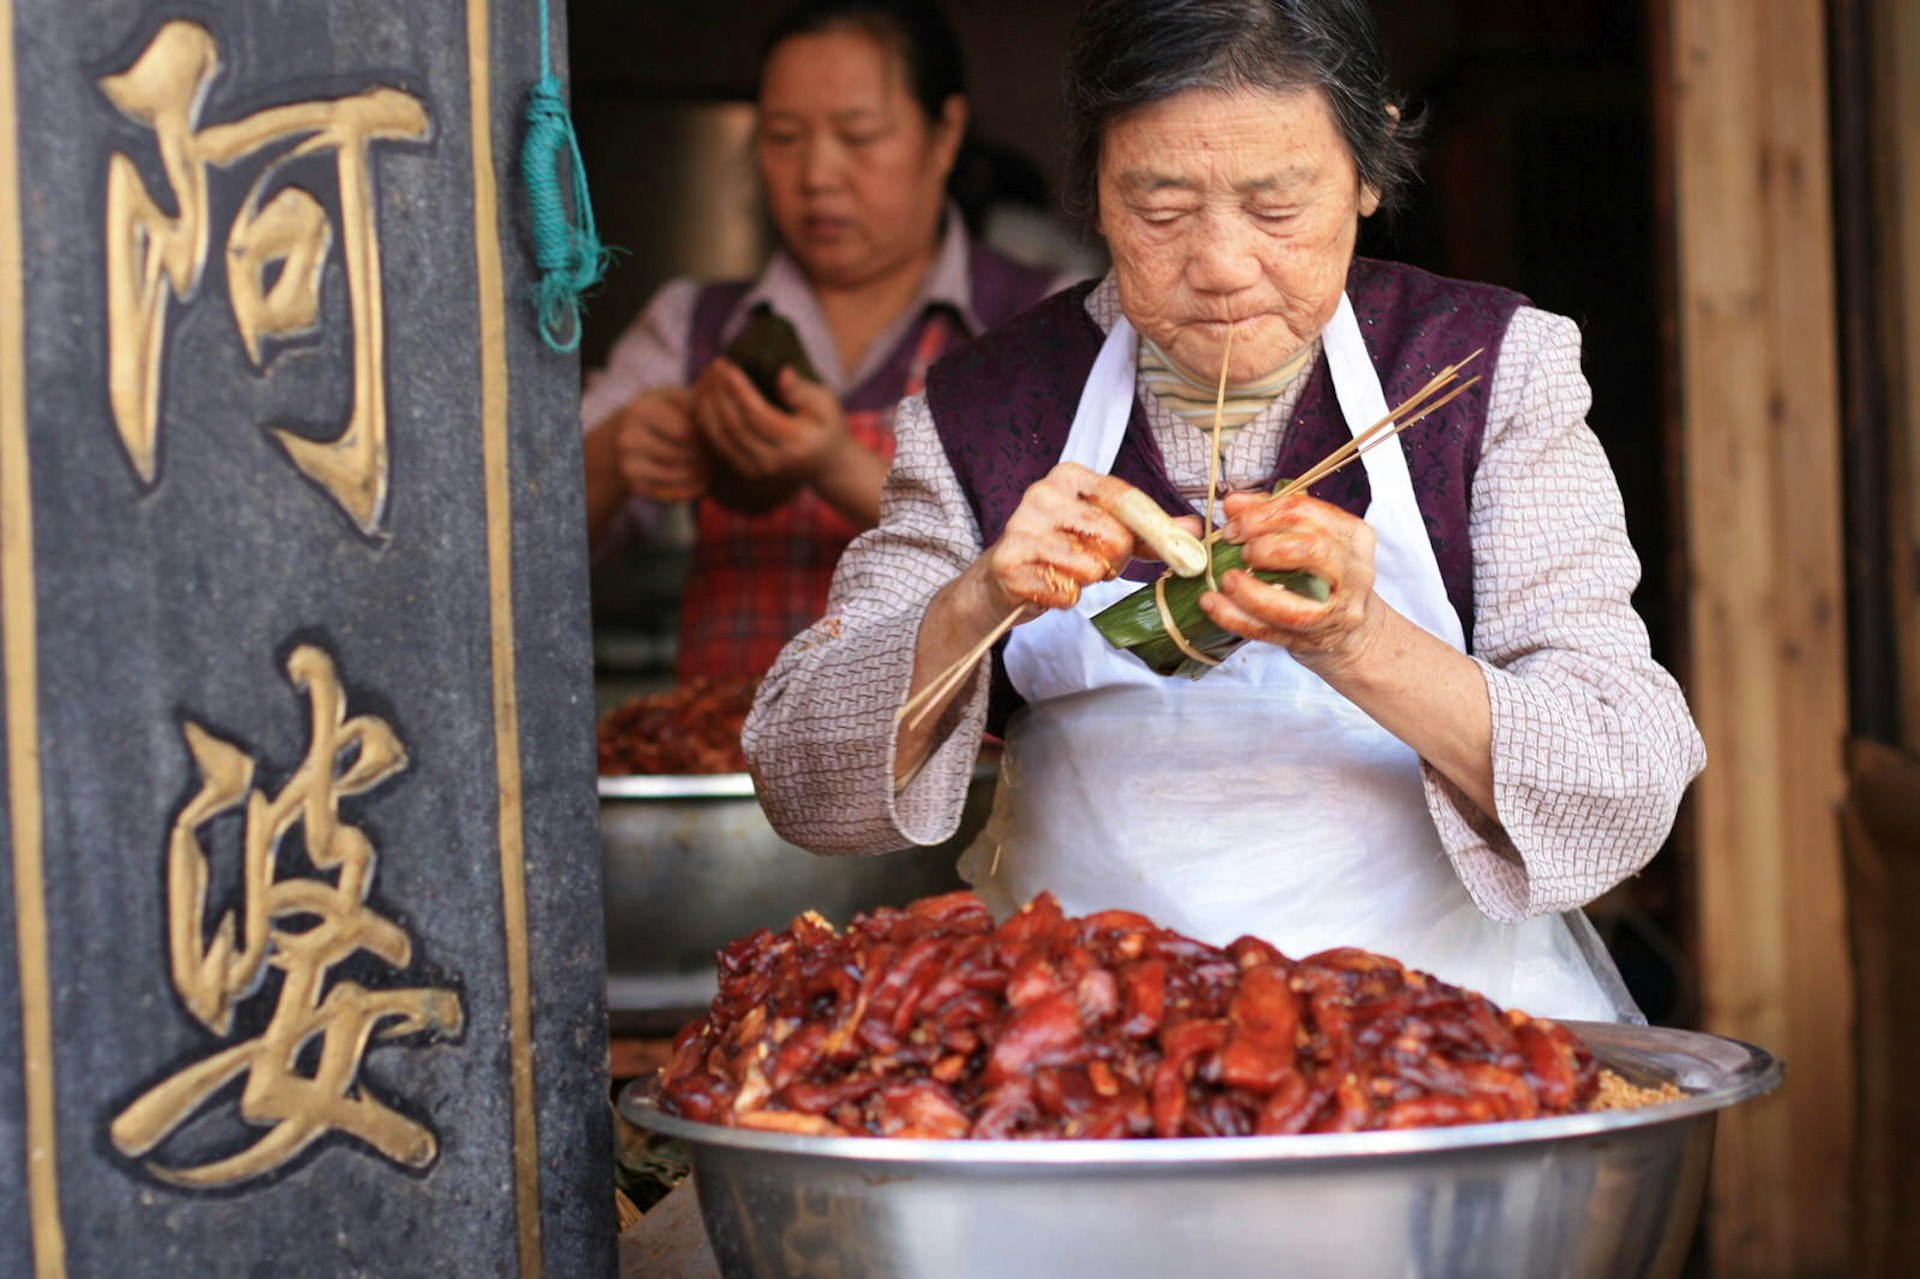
<point>300,940</point>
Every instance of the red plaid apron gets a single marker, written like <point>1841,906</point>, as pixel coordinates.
<point>758,580</point>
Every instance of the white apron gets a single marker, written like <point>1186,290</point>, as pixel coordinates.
<point>1255,799</point>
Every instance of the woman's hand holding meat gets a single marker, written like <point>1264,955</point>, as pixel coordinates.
<point>1300,532</point>
<point>1059,539</point>
<point>1062,538</point>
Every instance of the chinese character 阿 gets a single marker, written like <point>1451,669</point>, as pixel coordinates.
<point>276,249</point>
<point>301,926</point>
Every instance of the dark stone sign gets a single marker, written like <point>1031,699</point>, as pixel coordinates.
<point>300,943</point>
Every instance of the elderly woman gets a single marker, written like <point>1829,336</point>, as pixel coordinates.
<point>1444,760</point>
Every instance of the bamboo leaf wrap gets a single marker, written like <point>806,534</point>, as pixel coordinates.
<point>765,346</point>
<point>1134,623</point>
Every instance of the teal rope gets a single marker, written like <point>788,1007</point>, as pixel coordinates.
<point>566,247</point>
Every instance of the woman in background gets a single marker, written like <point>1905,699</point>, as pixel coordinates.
<point>861,114</point>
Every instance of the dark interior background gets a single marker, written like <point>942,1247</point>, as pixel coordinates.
<point>1539,175</point>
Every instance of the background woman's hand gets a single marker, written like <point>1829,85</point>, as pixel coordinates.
<point>1300,532</point>
<point>764,455</point>
<point>659,451</point>
<point>762,441</point>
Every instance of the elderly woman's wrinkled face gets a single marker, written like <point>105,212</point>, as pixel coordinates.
<point>1230,207</point>
<point>855,172</point>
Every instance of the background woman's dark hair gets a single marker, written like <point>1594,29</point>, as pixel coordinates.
<point>915,29</point>
<point>1128,53</point>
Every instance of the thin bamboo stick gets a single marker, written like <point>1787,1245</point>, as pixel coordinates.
<point>1373,434</point>
<point>923,702</point>
<point>1330,465</point>
<point>1213,462</point>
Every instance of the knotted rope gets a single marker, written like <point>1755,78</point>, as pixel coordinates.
<point>566,247</point>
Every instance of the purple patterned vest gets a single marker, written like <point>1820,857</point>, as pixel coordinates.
<point>1003,407</point>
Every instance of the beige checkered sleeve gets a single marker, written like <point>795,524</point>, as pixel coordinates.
<point>1593,743</point>
<point>821,734</point>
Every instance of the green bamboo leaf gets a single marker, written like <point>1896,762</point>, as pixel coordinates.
<point>765,346</point>
<point>1134,622</point>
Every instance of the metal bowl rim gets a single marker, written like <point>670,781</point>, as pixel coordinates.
<point>714,785</point>
<point>678,786</point>
<point>1761,1073</point>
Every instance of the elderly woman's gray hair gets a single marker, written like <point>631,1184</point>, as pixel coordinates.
<point>1128,53</point>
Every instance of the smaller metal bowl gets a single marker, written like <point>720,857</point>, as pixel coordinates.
<point>691,863</point>
<point>1602,1196</point>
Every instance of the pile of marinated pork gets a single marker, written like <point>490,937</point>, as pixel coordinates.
<point>933,1022</point>
<point>692,728</point>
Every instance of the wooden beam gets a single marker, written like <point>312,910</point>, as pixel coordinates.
<point>1898,94</point>
<point>1760,430</point>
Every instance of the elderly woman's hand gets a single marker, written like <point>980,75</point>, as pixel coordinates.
<point>1300,532</point>
<point>1063,536</point>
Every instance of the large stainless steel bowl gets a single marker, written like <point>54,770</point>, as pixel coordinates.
<point>1604,1196</point>
<point>690,863</point>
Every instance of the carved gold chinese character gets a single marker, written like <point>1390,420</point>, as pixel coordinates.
<point>346,757</point>
<point>151,253</point>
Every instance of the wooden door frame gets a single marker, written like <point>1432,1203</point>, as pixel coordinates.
<point>1744,89</point>
<point>1894,36</point>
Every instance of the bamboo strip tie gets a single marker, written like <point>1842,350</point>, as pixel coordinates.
<point>1213,466</point>
<point>1173,630</point>
<point>921,704</point>
<point>1174,633</point>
